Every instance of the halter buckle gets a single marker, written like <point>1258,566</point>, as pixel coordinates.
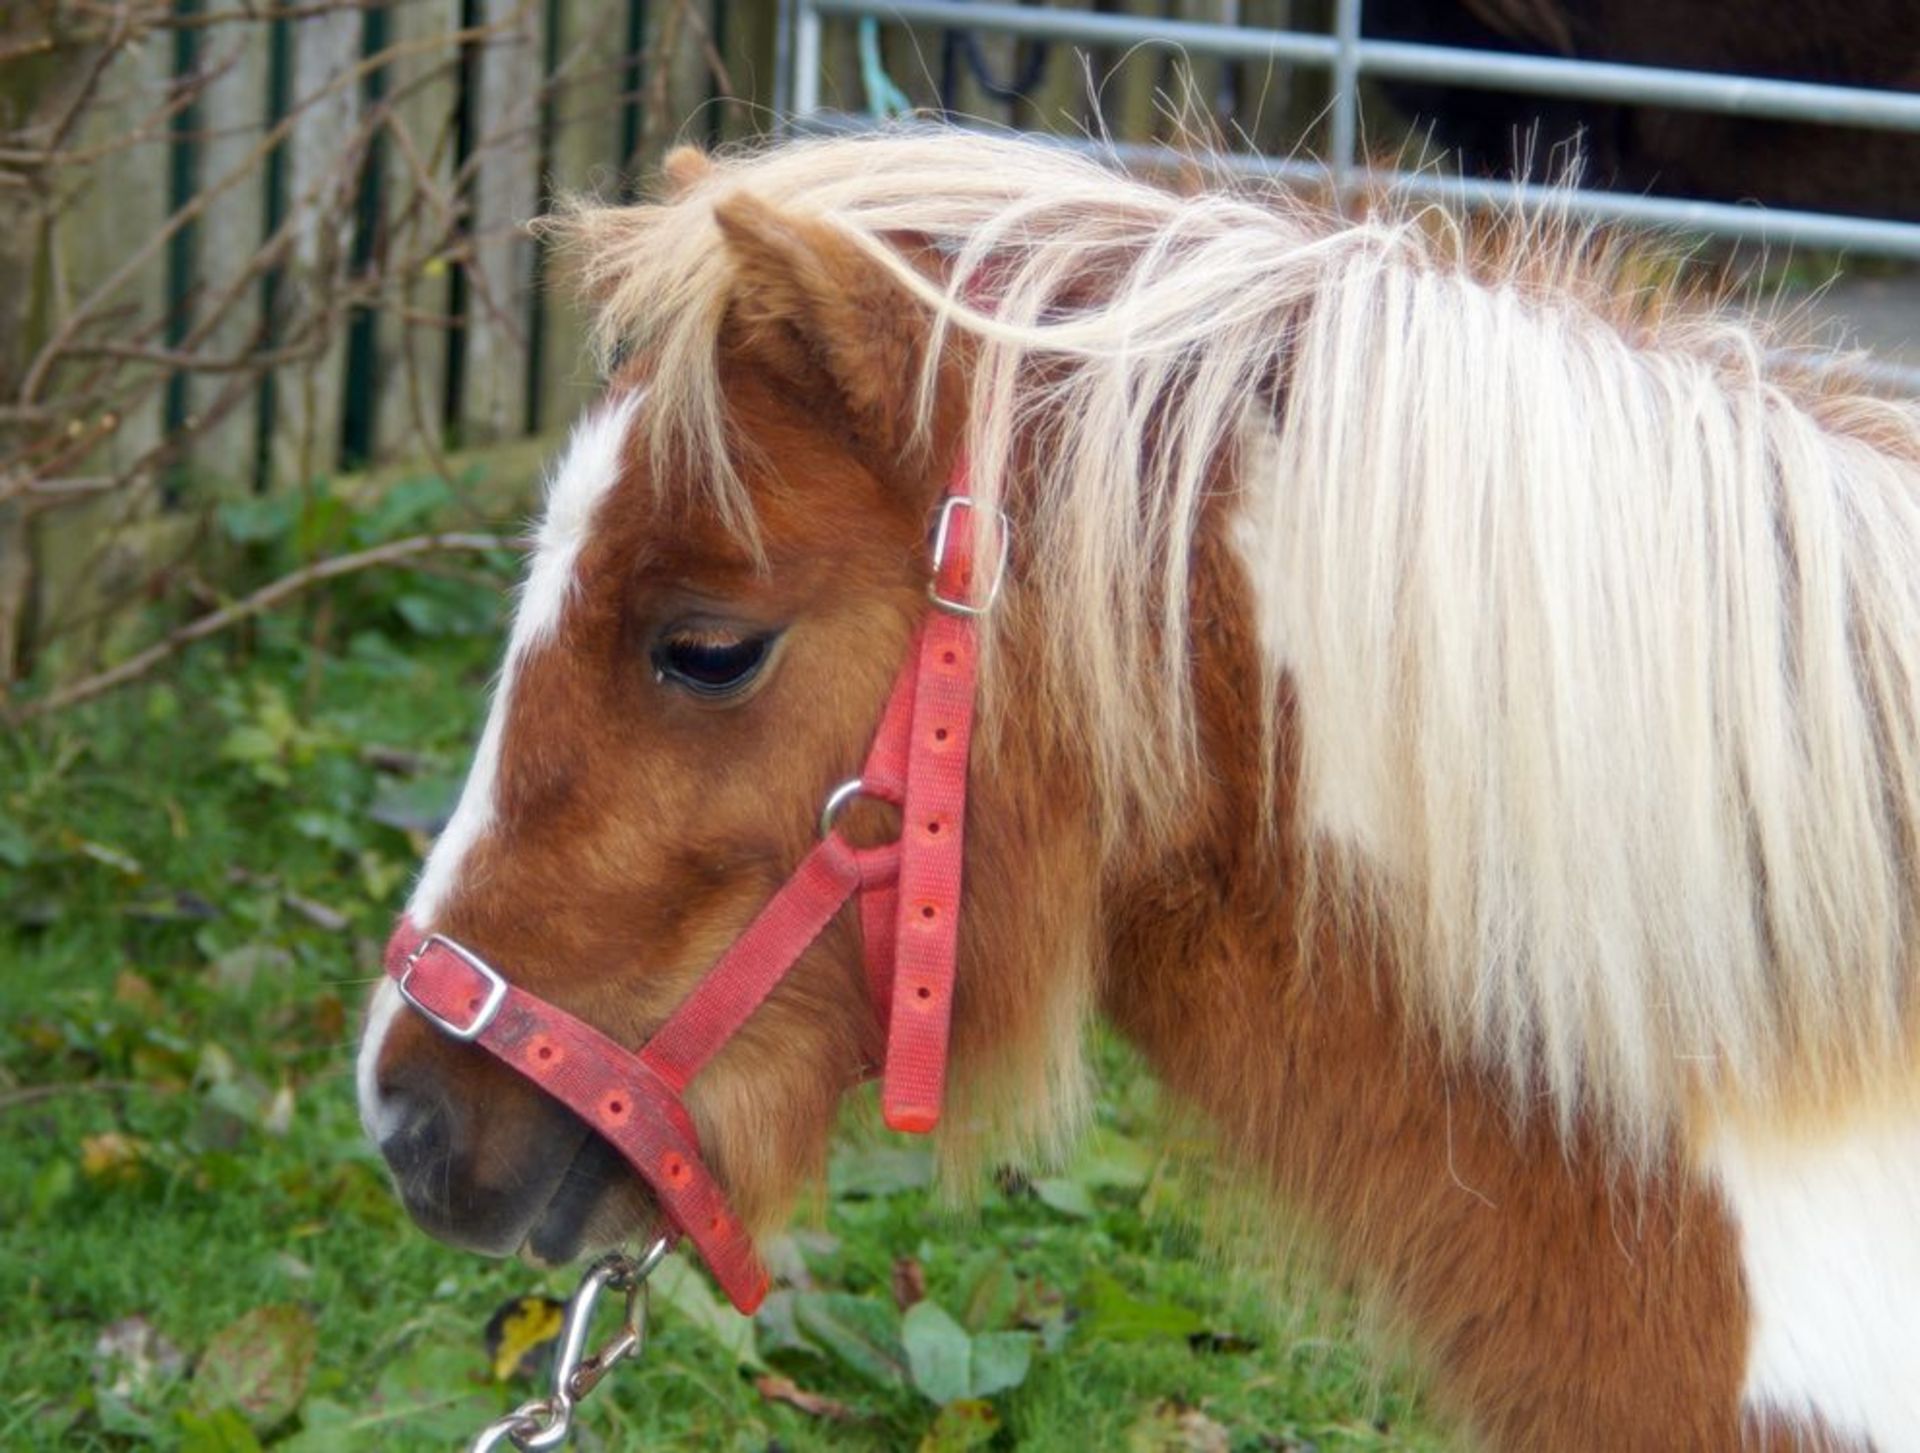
<point>983,600</point>
<point>496,994</point>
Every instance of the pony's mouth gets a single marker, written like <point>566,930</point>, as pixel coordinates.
<point>576,1197</point>
<point>597,1203</point>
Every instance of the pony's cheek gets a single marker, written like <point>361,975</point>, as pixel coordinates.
<point>765,1124</point>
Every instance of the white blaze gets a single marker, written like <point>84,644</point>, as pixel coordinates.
<point>587,470</point>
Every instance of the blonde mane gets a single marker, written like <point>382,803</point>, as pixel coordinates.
<point>1605,644</point>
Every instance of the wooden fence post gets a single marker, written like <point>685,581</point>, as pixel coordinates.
<point>322,178</point>
<point>233,120</point>
<point>585,141</point>
<point>32,96</point>
<point>84,553</point>
<point>504,114</point>
<point>422,219</point>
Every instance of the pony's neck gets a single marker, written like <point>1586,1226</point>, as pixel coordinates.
<point>1562,1302</point>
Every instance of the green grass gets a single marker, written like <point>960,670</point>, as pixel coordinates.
<point>179,1144</point>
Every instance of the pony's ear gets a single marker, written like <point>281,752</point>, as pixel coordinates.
<point>684,168</point>
<point>810,305</point>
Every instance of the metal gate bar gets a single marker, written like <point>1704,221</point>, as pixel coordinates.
<point>1349,56</point>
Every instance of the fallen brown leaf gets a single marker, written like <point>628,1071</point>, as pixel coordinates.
<point>909,1282</point>
<point>813,1404</point>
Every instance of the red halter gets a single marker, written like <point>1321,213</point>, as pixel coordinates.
<point>909,894</point>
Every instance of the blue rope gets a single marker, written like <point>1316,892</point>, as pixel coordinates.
<point>884,99</point>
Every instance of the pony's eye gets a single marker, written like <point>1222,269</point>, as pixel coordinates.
<point>710,664</point>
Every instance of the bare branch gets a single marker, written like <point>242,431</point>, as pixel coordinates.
<point>264,599</point>
<point>81,388</point>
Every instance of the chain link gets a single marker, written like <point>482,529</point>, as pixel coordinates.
<point>544,1423</point>
<point>522,1427</point>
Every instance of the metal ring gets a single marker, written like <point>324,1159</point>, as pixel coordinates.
<point>837,800</point>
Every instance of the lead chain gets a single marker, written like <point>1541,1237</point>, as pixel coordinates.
<point>541,1424</point>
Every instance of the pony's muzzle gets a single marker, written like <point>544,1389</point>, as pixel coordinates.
<point>485,1162</point>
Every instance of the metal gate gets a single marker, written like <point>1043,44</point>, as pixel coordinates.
<point>1349,56</point>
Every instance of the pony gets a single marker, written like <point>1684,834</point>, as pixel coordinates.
<point>1453,707</point>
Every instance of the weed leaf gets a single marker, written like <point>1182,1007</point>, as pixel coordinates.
<point>1000,1362</point>
<point>939,1352</point>
<point>221,1431</point>
<point>1108,1310</point>
<point>257,1366</point>
<point>687,1292</point>
<point>961,1426</point>
<point>876,1171</point>
<point>860,1333</point>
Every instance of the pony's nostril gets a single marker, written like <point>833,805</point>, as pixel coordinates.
<point>418,1138</point>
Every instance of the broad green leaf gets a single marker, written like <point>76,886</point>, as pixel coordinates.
<point>682,1288</point>
<point>858,1331</point>
<point>874,1171</point>
<point>1108,1160</point>
<point>220,1431</point>
<point>1000,1361</point>
<point>418,804</point>
<point>1108,1310</point>
<point>403,507</point>
<point>51,1185</point>
<point>452,1415</point>
<point>447,608</point>
<point>325,1427</point>
<point>259,519</point>
<point>124,1416</point>
<point>776,1326</point>
<point>939,1352</point>
<point>250,744</point>
<point>961,1427</point>
<point>988,1291</point>
<point>430,1390</point>
<point>426,614</point>
<point>257,1366</point>
<point>1070,1198</point>
<point>16,848</point>
<point>321,525</point>
<point>332,828</point>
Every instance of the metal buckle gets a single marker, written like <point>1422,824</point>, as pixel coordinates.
<point>981,604</point>
<point>496,988</point>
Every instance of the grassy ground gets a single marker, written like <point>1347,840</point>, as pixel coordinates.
<point>198,1252</point>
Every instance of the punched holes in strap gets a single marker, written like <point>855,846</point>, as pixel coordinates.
<point>926,933</point>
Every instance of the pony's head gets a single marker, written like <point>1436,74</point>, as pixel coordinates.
<point>711,621</point>
<point>1333,584</point>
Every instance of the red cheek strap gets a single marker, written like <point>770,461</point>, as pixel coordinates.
<point>909,912</point>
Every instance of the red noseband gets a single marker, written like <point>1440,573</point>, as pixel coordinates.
<point>909,894</point>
